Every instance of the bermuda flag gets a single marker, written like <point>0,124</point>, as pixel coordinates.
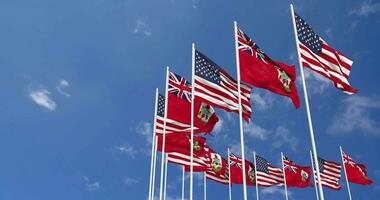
<point>236,171</point>
<point>268,175</point>
<point>179,110</point>
<point>330,174</point>
<point>317,55</point>
<point>218,168</point>
<point>259,70</point>
<point>356,173</point>
<point>296,176</point>
<point>217,88</point>
<point>180,143</point>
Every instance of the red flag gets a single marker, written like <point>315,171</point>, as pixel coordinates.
<point>296,176</point>
<point>179,107</point>
<point>236,171</point>
<point>356,173</point>
<point>181,143</point>
<point>257,69</point>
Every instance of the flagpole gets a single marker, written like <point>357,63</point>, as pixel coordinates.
<point>313,145</point>
<point>154,165</point>
<point>283,171</point>
<point>183,182</point>
<point>315,180</point>
<point>240,112</point>
<point>345,173</point>
<point>229,175</point>
<point>204,186</point>
<point>153,145</point>
<point>164,134</point>
<point>257,184</point>
<point>166,175</point>
<point>192,119</point>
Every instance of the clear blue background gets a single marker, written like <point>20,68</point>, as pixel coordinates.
<point>89,138</point>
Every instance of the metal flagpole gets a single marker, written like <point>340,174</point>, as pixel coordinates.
<point>283,171</point>
<point>315,180</point>
<point>192,119</point>
<point>164,134</point>
<point>154,166</point>
<point>183,182</point>
<point>229,176</point>
<point>345,173</point>
<point>313,145</point>
<point>153,145</point>
<point>257,184</point>
<point>240,112</point>
<point>204,186</point>
<point>166,175</point>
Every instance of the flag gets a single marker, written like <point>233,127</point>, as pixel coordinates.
<point>317,55</point>
<point>218,177</point>
<point>180,143</point>
<point>218,168</point>
<point>179,110</point>
<point>236,171</point>
<point>201,158</point>
<point>330,174</point>
<point>356,173</point>
<point>259,70</point>
<point>266,174</point>
<point>296,176</point>
<point>217,88</point>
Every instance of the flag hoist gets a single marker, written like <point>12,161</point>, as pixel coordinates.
<point>192,119</point>
<point>315,178</point>
<point>240,112</point>
<point>345,173</point>
<point>154,166</point>
<point>164,134</point>
<point>283,171</point>
<point>310,123</point>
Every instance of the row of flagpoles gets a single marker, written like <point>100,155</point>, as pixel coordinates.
<point>211,86</point>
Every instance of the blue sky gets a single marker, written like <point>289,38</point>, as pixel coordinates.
<point>78,80</point>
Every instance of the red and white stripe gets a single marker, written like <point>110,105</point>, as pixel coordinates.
<point>331,64</point>
<point>172,126</point>
<point>218,177</point>
<point>330,175</point>
<point>225,95</point>
<point>274,177</point>
<point>183,159</point>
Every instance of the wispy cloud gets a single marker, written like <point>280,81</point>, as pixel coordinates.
<point>284,137</point>
<point>354,114</point>
<point>316,82</point>
<point>262,101</point>
<point>146,130</point>
<point>127,149</point>
<point>130,180</point>
<point>63,84</point>
<point>275,191</point>
<point>218,126</point>
<point>41,97</point>
<point>91,186</point>
<point>329,34</point>
<point>366,8</point>
<point>141,27</point>
<point>256,131</point>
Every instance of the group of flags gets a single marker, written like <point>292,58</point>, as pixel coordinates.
<point>188,108</point>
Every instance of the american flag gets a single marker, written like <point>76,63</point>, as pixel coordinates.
<point>320,57</point>
<point>172,126</point>
<point>330,174</point>
<point>218,177</point>
<point>268,175</point>
<point>214,86</point>
<point>184,159</point>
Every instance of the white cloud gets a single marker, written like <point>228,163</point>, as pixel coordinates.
<point>61,86</point>
<point>141,27</point>
<point>145,129</point>
<point>130,181</point>
<point>275,191</point>
<point>367,8</point>
<point>283,137</point>
<point>41,97</point>
<point>256,131</point>
<point>316,82</point>
<point>262,101</point>
<point>127,149</point>
<point>91,186</point>
<point>355,115</point>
